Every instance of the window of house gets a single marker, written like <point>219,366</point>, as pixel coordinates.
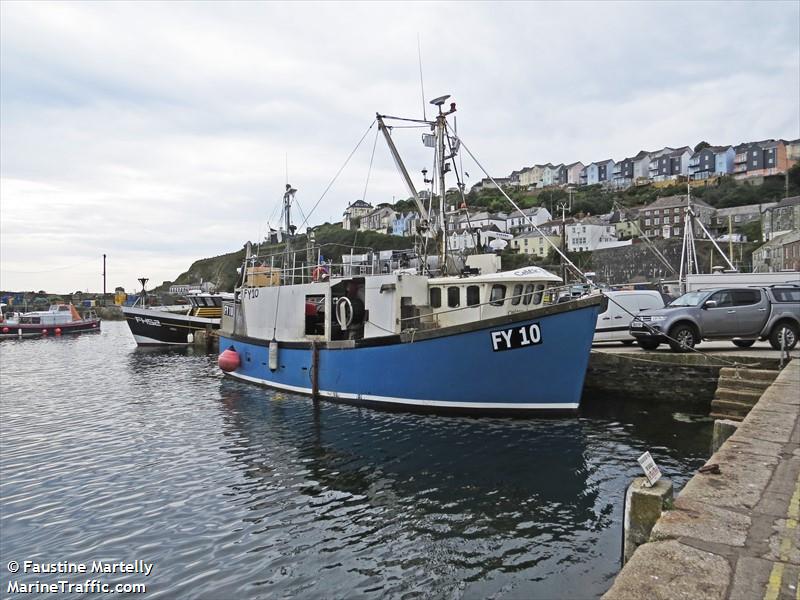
<point>453,296</point>
<point>656,221</point>
<point>647,222</point>
<point>677,231</point>
<point>436,297</point>
<point>497,295</point>
<point>737,219</point>
<point>517,295</point>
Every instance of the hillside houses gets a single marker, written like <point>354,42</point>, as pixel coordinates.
<point>379,219</point>
<point>750,159</point>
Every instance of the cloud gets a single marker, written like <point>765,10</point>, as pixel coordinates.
<point>159,133</point>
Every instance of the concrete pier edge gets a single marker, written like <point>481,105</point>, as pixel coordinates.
<point>733,534</point>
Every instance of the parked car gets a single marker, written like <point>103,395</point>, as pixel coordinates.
<point>618,310</point>
<point>742,315</point>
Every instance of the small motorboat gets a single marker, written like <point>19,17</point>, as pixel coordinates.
<point>59,319</point>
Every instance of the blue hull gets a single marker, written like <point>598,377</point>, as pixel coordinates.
<point>495,367</point>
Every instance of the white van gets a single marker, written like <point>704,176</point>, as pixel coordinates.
<point>614,319</point>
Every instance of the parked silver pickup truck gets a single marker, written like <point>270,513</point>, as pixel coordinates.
<point>743,315</point>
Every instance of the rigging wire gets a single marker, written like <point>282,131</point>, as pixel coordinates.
<point>648,242</point>
<point>421,84</point>
<point>369,172</point>
<point>461,187</point>
<point>514,204</point>
<point>339,172</point>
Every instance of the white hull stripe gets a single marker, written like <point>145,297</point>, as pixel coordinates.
<point>408,401</point>
<point>147,341</point>
<point>168,316</point>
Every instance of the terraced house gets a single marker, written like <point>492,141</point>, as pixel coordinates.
<point>629,170</point>
<point>712,161</point>
<point>665,217</point>
<point>598,172</point>
<point>782,218</point>
<point>753,159</point>
<point>670,164</point>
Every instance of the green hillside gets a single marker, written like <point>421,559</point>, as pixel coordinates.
<point>334,241</point>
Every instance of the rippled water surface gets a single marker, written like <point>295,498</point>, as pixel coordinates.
<point>109,452</point>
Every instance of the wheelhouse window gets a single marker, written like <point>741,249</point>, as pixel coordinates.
<point>528,294</point>
<point>517,295</point>
<point>453,296</point>
<point>436,297</point>
<point>498,295</point>
<point>537,297</point>
<point>473,295</point>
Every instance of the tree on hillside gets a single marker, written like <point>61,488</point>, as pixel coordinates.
<point>702,145</point>
<point>794,179</point>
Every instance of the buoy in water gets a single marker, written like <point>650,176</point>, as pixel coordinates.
<point>44,331</point>
<point>229,360</point>
<point>5,329</point>
<point>58,331</point>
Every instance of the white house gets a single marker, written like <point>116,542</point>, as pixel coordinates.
<point>479,220</point>
<point>354,212</point>
<point>589,234</point>
<point>535,243</point>
<point>517,221</point>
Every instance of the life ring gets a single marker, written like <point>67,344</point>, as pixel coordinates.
<point>320,273</point>
<point>344,312</point>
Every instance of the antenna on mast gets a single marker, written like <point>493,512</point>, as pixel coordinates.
<point>421,84</point>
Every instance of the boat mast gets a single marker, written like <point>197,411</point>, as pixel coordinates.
<point>442,168</point>
<point>288,196</point>
<point>688,251</point>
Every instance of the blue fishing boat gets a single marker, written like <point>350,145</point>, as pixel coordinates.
<point>405,329</point>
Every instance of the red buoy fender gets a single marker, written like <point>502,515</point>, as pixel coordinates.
<point>229,360</point>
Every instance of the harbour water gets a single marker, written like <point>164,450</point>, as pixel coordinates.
<point>113,453</point>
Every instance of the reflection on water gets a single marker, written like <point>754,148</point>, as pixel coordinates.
<point>111,452</point>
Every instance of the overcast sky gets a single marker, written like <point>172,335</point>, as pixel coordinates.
<point>159,133</point>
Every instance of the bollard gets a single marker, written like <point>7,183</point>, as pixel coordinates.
<point>643,507</point>
<point>723,429</point>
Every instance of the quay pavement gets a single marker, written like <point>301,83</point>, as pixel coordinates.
<point>733,534</point>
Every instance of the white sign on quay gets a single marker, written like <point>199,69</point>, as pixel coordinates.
<point>651,470</point>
